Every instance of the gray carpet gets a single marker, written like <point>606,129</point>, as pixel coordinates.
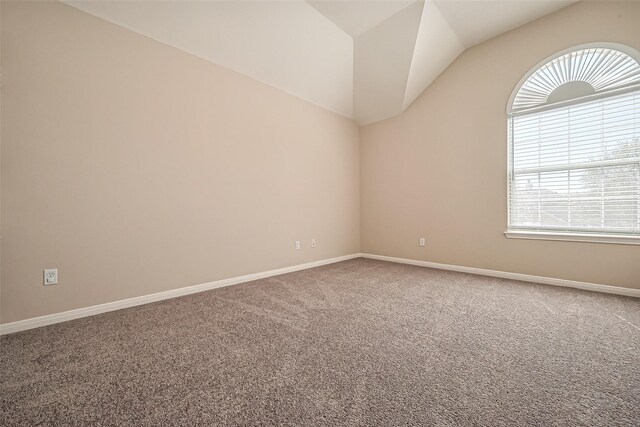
<point>360,342</point>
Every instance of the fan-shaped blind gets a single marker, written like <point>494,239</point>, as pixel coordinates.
<point>575,168</point>
<point>601,68</point>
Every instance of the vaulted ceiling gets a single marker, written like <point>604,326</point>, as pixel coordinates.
<point>366,59</point>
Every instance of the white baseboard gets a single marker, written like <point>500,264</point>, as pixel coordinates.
<point>36,322</point>
<point>515,276</point>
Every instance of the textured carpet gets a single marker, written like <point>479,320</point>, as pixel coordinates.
<point>360,342</point>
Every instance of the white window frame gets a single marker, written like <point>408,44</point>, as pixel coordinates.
<point>572,236</point>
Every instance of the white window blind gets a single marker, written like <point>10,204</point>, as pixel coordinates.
<point>576,168</point>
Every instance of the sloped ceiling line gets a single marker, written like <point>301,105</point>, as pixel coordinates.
<point>364,59</point>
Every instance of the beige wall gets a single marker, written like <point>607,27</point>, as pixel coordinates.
<point>135,168</point>
<point>439,170</point>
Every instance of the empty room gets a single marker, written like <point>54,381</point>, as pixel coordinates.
<point>320,213</point>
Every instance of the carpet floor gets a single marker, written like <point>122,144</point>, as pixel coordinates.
<point>356,343</point>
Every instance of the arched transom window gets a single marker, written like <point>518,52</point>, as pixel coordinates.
<point>574,148</point>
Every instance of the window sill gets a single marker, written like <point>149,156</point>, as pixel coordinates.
<point>573,237</point>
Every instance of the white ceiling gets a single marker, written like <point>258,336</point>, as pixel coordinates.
<point>475,21</point>
<point>356,17</point>
<point>363,59</point>
<point>286,44</point>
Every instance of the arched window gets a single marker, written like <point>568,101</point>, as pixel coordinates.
<point>574,147</point>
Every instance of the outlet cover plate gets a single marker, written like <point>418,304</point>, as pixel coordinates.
<point>51,277</point>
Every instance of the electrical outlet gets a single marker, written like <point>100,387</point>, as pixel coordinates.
<point>422,242</point>
<point>313,243</point>
<point>51,277</point>
<point>297,244</point>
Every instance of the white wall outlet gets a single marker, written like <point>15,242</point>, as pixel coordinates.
<point>422,241</point>
<point>313,243</point>
<point>51,277</point>
<point>297,244</point>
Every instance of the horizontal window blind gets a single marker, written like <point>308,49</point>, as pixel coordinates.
<point>576,168</point>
